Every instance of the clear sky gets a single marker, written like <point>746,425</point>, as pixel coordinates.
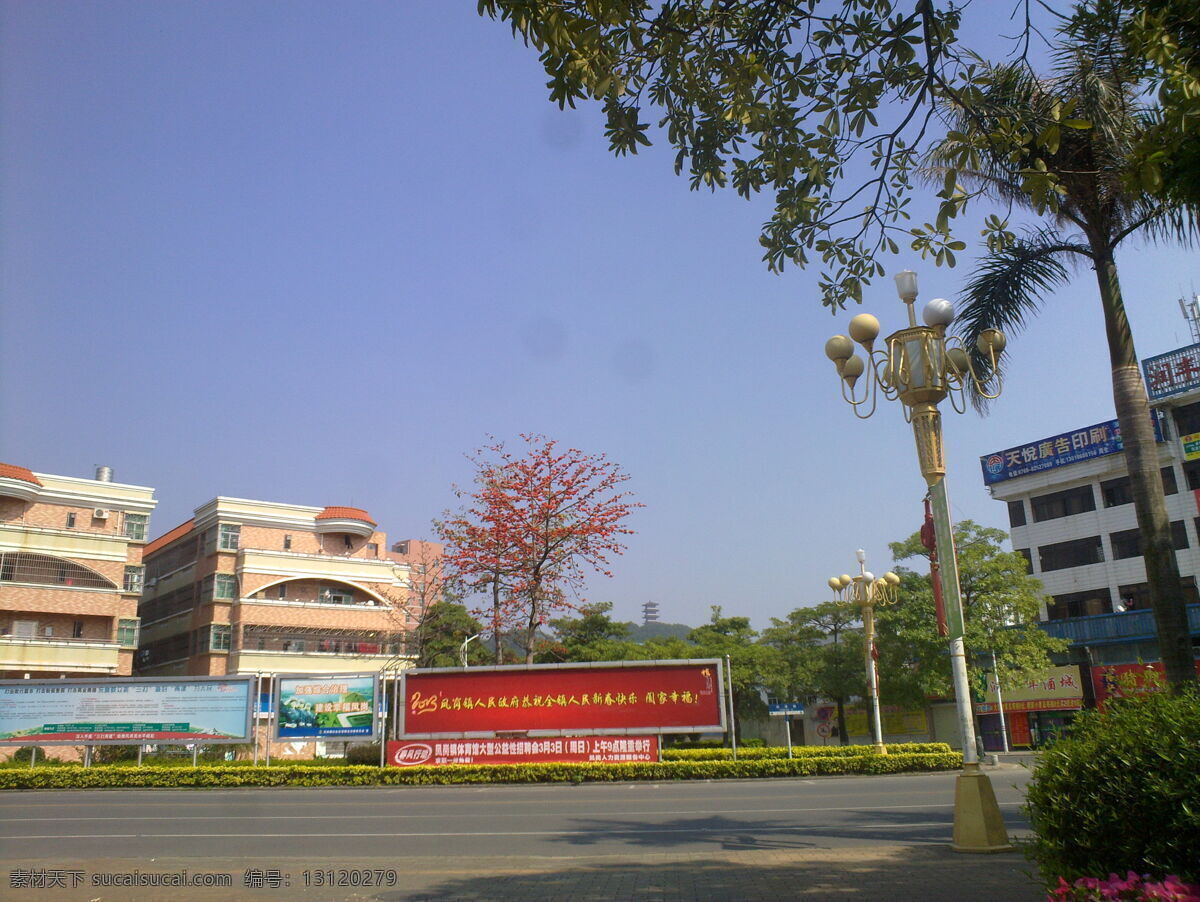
<point>315,253</point>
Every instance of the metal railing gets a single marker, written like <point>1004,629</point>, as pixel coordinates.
<point>1103,628</point>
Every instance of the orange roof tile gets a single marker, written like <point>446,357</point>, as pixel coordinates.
<point>12,471</point>
<point>168,537</point>
<point>345,513</point>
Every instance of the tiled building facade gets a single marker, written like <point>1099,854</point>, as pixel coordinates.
<point>257,587</point>
<point>71,573</point>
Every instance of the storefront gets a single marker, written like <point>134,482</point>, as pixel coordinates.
<point>1036,712</point>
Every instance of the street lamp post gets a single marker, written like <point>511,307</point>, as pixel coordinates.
<point>921,366</point>
<point>866,593</point>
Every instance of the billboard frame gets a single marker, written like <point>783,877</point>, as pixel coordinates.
<point>377,703</point>
<point>245,739</point>
<point>718,663</point>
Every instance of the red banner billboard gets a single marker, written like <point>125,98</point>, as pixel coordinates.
<point>560,699</point>
<point>605,749</point>
<point>1127,680</point>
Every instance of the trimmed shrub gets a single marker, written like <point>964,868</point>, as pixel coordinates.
<point>803,751</point>
<point>76,777</point>
<point>1122,792</point>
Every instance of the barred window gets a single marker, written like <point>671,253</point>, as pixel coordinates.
<point>44,570</point>
<point>221,636</point>
<point>134,578</point>
<point>135,526</point>
<point>230,534</point>
<point>127,633</point>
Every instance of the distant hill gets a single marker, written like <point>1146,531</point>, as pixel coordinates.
<point>640,632</point>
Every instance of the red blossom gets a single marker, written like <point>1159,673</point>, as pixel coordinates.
<point>532,526</point>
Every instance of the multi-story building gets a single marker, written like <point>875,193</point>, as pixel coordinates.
<point>1071,514</point>
<point>70,573</point>
<point>258,587</point>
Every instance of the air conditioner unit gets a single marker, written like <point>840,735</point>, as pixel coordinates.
<point>100,514</point>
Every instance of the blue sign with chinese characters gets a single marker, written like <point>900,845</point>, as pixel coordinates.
<point>786,708</point>
<point>1171,373</point>
<point>1057,451</point>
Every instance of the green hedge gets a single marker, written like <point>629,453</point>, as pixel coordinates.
<point>1121,792</point>
<point>76,777</point>
<point>804,751</point>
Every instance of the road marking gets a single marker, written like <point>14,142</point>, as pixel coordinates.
<point>616,833</point>
<point>656,811</point>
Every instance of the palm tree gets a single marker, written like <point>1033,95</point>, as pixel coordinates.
<point>1074,174</point>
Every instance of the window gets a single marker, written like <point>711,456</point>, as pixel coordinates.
<point>127,633</point>
<point>1170,486</point>
<point>229,536</point>
<point>221,638</point>
<point>334,595</point>
<point>71,520</point>
<point>77,629</point>
<point>25,629</point>
<point>1075,553</point>
<point>1063,504</point>
<point>1128,542</point>
<point>1116,492</point>
<point>287,543</point>
<point>282,590</point>
<point>1187,418</point>
<point>134,578</point>
<point>225,586</point>
<point>135,526</point>
<point>1016,513</point>
<point>1025,553</point>
<point>373,547</point>
<point>1080,604</point>
<point>346,543</point>
<point>1137,596</point>
<point>48,631</point>
<point>1191,474</point>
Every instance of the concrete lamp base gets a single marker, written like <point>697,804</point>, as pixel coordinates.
<point>978,825</point>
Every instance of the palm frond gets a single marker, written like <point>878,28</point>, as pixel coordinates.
<point>1009,287</point>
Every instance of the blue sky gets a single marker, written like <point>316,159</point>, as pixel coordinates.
<point>316,253</point>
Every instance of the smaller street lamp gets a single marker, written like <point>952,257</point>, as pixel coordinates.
<point>866,593</point>
<point>462,651</point>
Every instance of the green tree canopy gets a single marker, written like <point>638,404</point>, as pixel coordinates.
<point>445,626</point>
<point>1001,606</point>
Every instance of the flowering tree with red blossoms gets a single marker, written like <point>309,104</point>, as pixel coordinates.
<point>530,526</point>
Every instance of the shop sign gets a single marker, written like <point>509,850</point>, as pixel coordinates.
<point>1057,451</point>
<point>1129,680</point>
<point>1171,373</point>
<point>1061,689</point>
<point>1191,446</point>
<point>563,749</point>
<point>559,699</point>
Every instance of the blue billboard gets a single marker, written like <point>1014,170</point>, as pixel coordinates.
<point>1057,451</point>
<point>1172,373</point>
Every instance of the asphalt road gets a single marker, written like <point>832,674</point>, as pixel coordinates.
<point>432,837</point>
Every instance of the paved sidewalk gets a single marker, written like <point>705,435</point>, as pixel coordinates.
<point>911,873</point>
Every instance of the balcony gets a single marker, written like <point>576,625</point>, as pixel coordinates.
<point>1102,629</point>
<point>75,655</point>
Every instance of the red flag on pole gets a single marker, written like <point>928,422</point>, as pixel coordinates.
<point>929,540</point>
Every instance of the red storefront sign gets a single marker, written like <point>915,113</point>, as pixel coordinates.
<point>605,749</point>
<point>1126,680</point>
<point>549,699</point>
